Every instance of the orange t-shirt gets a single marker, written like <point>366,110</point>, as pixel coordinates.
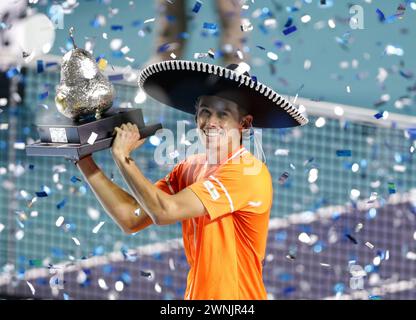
<point>226,247</point>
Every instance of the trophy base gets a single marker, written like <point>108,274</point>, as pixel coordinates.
<point>68,139</point>
<point>71,151</point>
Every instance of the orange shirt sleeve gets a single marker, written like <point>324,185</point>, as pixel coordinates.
<point>170,182</point>
<point>229,190</point>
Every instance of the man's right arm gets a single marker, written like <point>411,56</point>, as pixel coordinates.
<point>118,204</point>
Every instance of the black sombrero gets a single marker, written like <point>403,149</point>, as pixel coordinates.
<point>178,83</point>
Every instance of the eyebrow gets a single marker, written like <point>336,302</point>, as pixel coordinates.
<point>226,109</point>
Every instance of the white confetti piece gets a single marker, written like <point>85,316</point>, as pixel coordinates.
<point>158,288</point>
<point>325,265</point>
<point>76,241</point>
<point>272,56</point>
<point>242,67</point>
<point>281,152</point>
<point>173,56</point>
<point>370,245</point>
<point>171,264</point>
<point>1,227</point>
<point>102,284</point>
<point>93,213</point>
<point>92,138</point>
<point>31,287</point>
<point>125,50</point>
<point>98,227</point>
<point>149,20</point>
<point>59,221</point>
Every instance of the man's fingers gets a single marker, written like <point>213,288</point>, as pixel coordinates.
<point>116,130</point>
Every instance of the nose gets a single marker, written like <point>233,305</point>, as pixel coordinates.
<point>213,121</point>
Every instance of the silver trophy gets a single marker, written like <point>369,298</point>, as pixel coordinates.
<point>84,97</point>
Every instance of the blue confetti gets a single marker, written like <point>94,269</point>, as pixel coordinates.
<point>381,16</point>
<point>379,115</point>
<point>116,77</point>
<point>344,153</point>
<point>164,47</point>
<point>66,296</point>
<point>406,75</point>
<point>145,274</point>
<point>261,48</point>
<point>288,22</point>
<point>210,26</point>
<point>40,67</point>
<point>41,194</point>
<point>197,6</point>
<point>288,290</point>
<point>391,187</point>
<point>351,238</point>
<point>43,95</point>
<point>412,133</point>
<point>31,166</point>
<point>289,30</point>
<point>116,27</point>
<point>74,179</point>
<point>61,204</point>
<point>12,72</point>
<point>284,176</point>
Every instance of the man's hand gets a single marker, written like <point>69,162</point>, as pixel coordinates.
<point>127,139</point>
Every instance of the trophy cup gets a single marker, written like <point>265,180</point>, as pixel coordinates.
<point>84,97</point>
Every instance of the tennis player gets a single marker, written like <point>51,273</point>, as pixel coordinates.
<point>222,203</point>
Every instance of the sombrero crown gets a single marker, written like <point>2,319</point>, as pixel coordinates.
<point>179,83</point>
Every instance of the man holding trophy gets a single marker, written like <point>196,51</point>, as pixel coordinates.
<point>224,207</point>
<point>222,203</point>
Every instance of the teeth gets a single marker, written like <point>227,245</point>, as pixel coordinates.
<point>212,132</point>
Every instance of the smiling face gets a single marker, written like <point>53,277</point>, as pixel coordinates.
<point>220,122</point>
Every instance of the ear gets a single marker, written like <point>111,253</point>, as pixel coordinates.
<point>247,121</point>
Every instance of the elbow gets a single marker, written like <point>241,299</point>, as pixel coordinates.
<point>127,229</point>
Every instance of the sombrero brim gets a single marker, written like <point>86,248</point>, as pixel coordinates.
<point>178,83</point>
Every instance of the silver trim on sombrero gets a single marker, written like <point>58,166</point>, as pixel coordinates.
<point>225,73</point>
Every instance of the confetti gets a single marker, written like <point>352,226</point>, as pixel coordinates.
<point>370,245</point>
<point>117,27</point>
<point>391,187</point>
<point>344,153</point>
<point>197,6</point>
<point>59,221</point>
<point>350,237</point>
<point>61,204</point>
<point>283,177</point>
<point>92,138</point>
<point>41,194</point>
<point>76,241</point>
<point>116,77</point>
<point>289,30</point>
<point>98,227</point>
<point>43,95</point>
<point>75,179</point>
<point>145,274</point>
<point>210,26</point>
<point>32,289</point>
<point>149,20</point>
<point>40,66</point>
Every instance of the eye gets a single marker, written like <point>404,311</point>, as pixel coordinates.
<point>204,112</point>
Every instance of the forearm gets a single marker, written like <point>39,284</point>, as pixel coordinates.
<point>120,205</point>
<point>155,202</point>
